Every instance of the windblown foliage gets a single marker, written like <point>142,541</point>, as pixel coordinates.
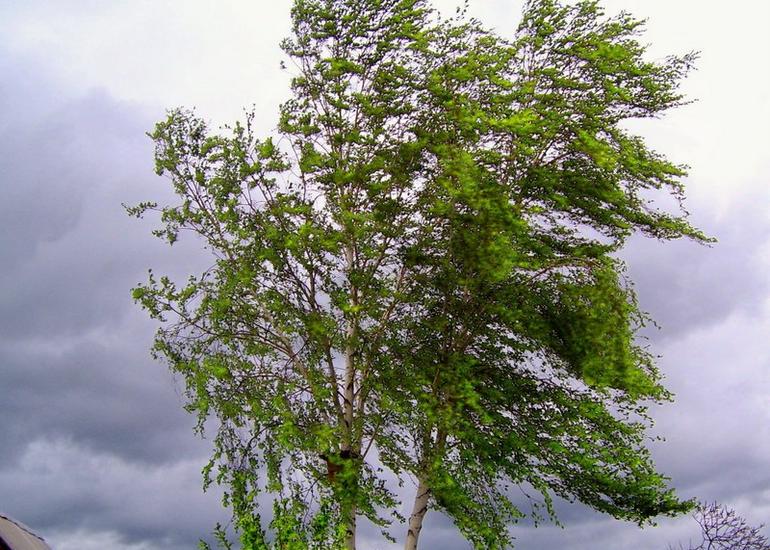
<point>419,275</point>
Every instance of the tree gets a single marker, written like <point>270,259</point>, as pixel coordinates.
<point>419,276</point>
<point>723,529</point>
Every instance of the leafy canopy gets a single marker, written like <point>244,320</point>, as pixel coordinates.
<point>416,277</point>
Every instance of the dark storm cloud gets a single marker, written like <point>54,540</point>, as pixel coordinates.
<point>70,253</point>
<point>718,429</point>
<point>106,395</point>
<point>711,303</point>
<point>685,285</point>
<point>93,434</point>
<point>59,487</point>
<point>71,342</point>
<point>48,167</point>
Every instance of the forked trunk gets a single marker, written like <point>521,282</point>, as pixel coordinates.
<point>418,514</point>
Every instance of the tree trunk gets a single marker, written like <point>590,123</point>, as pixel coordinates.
<point>418,514</point>
<point>430,450</point>
<point>349,447</point>
<point>350,533</point>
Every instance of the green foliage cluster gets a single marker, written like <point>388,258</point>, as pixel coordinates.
<point>418,274</point>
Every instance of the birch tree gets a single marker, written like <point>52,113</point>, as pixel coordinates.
<point>415,278</point>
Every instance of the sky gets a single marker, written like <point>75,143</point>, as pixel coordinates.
<point>96,452</point>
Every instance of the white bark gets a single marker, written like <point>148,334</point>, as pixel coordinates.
<point>350,364</point>
<point>349,396</point>
<point>419,510</point>
<point>350,536</point>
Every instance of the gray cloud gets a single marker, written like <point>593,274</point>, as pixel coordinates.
<point>685,285</point>
<point>719,428</point>
<point>104,394</point>
<point>60,487</point>
<point>95,441</point>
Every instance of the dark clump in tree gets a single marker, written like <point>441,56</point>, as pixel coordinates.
<point>419,275</point>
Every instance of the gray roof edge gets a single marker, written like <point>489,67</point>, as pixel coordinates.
<point>21,526</point>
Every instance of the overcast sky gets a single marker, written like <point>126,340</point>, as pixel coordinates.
<point>95,450</point>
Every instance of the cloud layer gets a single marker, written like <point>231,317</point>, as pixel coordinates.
<point>95,444</point>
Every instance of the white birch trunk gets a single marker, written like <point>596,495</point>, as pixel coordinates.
<point>350,535</point>
<point>349,397</point>
<point>419,510</point>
